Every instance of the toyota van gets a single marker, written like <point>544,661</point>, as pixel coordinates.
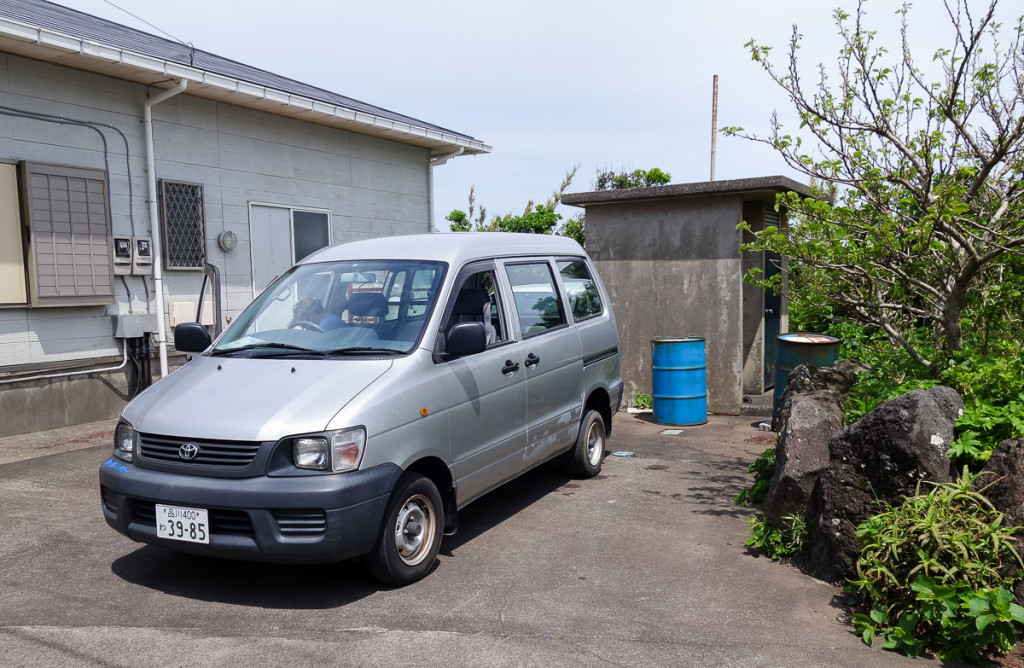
<point>367,395</point>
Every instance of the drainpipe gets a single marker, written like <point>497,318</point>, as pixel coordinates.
<point>437,162</point>
<point>154,220</point>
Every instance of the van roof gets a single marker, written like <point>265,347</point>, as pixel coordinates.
<point>456,248</point>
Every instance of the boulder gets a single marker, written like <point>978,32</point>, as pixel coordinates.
<point>1002,483</point>
<point>840,378</point>
<point>802,452</point>
<point>881,457</point>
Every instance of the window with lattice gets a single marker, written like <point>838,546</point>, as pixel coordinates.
<point>183,225</point>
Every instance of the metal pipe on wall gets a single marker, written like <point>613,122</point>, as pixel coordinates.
<point>62,374</point>
<point>154,220</point>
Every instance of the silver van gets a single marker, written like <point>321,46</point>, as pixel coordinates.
<point>365,396</point>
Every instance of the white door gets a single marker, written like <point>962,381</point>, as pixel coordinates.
<point>270,235</point>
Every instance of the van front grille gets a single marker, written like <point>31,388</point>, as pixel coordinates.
<point>222,521</point>
<point>228,454</point>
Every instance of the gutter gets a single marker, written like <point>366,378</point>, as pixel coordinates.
<point>154,220</point>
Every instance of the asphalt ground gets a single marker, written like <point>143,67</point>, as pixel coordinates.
<point>643,565</point>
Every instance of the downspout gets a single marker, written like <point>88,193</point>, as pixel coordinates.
<point>437,162</point>
<point>154,220</point>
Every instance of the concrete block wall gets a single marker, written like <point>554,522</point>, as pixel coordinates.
<point>371,186</point>
<point>673,268</point>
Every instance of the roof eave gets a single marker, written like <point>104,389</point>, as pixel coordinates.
<point>762,187</point>
<point>55,47</point>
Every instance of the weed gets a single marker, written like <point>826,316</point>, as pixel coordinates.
<point>763,469</point>
<point>775,542</point>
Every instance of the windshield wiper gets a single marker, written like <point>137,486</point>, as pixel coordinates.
<point>266,344</point>
<point>362,349</point>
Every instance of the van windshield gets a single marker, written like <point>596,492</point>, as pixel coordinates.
<point>338,308</point>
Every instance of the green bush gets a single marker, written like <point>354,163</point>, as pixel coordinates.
<point>763,469</point>
<point>936,573</point>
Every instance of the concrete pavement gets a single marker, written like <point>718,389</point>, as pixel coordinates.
<point>642,566</point>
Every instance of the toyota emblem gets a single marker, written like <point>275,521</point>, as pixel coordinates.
<point>188,451</point>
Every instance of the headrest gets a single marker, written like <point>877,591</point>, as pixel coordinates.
<point>372,304</point>
<point>470,301</point>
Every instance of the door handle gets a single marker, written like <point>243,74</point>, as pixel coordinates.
<point>510,367</point>
<point>532,360</point>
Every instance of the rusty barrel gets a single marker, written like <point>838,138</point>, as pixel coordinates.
<point>679,380</point>
<point>796,348</point>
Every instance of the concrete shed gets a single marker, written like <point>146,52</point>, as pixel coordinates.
<point>670,257</point>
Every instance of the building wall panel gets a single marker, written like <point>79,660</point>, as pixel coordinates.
<point>371,187</point>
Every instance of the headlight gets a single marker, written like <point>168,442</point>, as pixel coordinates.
<point>347,448</point>
<point>124,441</point>
<point>335,451</point>
<point>311,453</point>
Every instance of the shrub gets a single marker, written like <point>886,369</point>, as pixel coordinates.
<point>936,573</point>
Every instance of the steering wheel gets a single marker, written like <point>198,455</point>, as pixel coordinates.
<point>306,324</point>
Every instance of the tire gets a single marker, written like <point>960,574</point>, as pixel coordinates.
<point>584,460</point>
<point>410,538</point>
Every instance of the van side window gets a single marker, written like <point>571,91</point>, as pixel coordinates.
<point>584,300</point>
<point>537,299</point>
<point>476,300</point>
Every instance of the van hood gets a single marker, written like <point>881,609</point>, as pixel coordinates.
<point>251,399</point>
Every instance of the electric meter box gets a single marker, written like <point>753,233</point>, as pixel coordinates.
<point>142,256</point>
<point>122,255</point>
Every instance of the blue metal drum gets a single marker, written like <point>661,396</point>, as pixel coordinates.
<point>796,348</point>
<point>679,380</point>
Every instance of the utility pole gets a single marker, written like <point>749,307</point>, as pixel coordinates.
<point>714,124</point>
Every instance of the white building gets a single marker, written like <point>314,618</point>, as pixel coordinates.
<point>251,171</point>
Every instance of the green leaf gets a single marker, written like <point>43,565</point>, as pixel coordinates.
<point>978,605</point>
<point>983,621</point>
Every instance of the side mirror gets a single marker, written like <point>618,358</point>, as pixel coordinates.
<point>466,338</point>
<point>191,337</point>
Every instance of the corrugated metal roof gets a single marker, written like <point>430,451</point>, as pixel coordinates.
<point>84,26</point>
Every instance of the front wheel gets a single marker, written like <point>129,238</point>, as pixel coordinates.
<point>411,536</point>
<point>584,460</point>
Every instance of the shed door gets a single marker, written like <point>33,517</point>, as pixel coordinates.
<point>270,234</point>
<point>772,305</point>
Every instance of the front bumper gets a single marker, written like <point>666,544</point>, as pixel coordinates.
<point>308,519</point>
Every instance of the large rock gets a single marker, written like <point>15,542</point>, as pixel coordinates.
<point>882,457</point>
<point>839,378</point>
<point>1002,483</point>
<point>802,452</point>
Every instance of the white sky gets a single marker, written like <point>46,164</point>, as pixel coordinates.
<point>547,83</point>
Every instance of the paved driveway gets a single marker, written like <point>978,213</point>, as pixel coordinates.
<point>642,566</point>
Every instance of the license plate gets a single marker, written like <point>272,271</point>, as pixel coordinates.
<point>187,524</point>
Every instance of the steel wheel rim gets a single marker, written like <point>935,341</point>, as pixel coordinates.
<point>595,444</point>
<point>414,530</point>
